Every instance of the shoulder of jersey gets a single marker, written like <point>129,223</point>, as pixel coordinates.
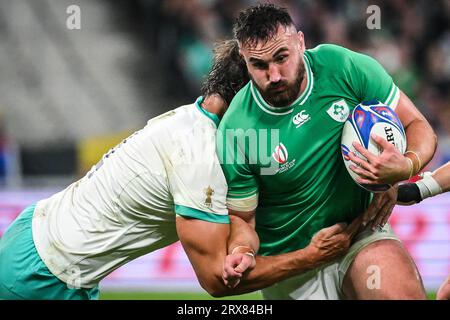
<point>176,119</point>
<point>329,58</point>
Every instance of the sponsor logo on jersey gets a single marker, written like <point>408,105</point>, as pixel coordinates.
<point>209,193</point>
<point>281,156</point>
<point>300,118</point>
<point>339,111</point>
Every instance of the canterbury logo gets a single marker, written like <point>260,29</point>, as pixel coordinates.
<point>280,154</point>
<point>300,118</point>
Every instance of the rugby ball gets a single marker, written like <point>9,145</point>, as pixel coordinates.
<point>368,118</point>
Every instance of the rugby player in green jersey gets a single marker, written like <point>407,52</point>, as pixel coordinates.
<point>279,145</point>
<point>162,184</point>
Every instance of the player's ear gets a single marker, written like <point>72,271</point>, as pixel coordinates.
<point>301,40</point>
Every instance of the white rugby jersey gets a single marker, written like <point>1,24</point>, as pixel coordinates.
<point>126,205</point>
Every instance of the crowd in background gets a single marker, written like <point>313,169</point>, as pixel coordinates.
<point>413,43</point>
<point>159,52</point>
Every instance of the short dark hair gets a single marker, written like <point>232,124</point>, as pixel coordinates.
<point>260,23</point>
<point>228,73</point>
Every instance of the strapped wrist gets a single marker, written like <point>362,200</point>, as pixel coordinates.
<point>428,186</point>
<point>250,254</point>
<point>244,249</point>
<point>419,162</point>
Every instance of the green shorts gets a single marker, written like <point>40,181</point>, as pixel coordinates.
<point>23,275</point>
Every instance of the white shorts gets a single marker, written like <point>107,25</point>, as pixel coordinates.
<point>325,283</point>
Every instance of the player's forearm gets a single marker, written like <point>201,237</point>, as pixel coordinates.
<point>422,141</point>
<point>268,270</point>
<point>242,234</point>
<point>442,177</point>
<point>272,269</point>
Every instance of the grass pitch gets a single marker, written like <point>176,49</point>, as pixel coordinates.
<point>187,296</point>
<point>173,296</point>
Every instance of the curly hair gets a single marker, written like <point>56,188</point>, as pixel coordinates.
<point>260,23</point>
<point>228,73</point>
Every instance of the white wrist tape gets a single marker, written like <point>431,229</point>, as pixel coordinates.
<point>244,250</point>
<point>428,186</point>
<point>250,254</point>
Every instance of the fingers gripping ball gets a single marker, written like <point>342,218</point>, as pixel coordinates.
<point>365,120</point>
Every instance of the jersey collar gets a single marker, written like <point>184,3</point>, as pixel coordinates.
<point>299,101</point>
<point>210,115</point>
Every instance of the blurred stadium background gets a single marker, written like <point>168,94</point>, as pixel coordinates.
<point>67,96</point>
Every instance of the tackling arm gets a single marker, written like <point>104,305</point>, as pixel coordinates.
<point>326,245</point>
<point>243,231</point>
<point>442,177</point>
<point>245,272</point>
<point>430,185</point>
<point>206,247</point>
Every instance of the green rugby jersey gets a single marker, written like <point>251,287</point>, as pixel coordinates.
<point>287,162</point>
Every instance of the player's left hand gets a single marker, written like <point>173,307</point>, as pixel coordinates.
<point>381,208</point>
<point>389,167</point>
<point>235,266</point>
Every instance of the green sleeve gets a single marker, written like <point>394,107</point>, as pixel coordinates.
<point>370,80</point>
<point>242,182</point>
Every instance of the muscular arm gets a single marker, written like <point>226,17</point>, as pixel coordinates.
<point>442,177</point>
<point>420,135</point>
<point>326,245</point>
<point>205,244</point>
<point>268,270</point>
<point>242,230</point>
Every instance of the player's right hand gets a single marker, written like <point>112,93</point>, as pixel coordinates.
<point>332,242</point>
<point>235,266</point>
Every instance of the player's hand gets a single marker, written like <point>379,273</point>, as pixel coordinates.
<point>332,242</point>
<point>235,266</point>
<point>389,167</point>
<point>381,208</point>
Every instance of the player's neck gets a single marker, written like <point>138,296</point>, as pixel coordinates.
<point>214,104</point>
<point>303,84</point>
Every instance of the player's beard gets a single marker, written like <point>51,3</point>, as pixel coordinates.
<point>283,98</point>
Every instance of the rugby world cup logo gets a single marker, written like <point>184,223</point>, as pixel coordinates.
<point>345,152</point>
<point>280,154</point>
<point>360,117</point>
<point>387,113</point>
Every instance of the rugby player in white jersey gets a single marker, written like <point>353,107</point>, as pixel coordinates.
<point>162,184</point>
